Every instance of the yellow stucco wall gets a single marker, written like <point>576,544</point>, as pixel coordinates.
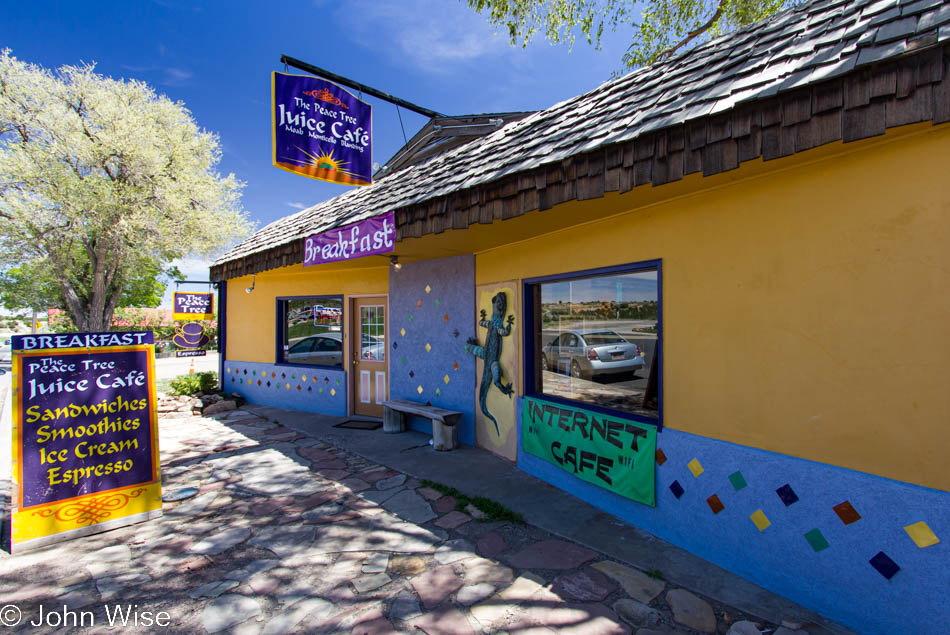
<point>252,329</point>
<point>806,311</point>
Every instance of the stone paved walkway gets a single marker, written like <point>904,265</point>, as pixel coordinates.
<point>289,534</point>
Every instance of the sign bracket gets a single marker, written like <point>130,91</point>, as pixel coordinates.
<point>369,90</point>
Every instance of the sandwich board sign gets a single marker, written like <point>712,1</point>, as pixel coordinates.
<point>85,435</point>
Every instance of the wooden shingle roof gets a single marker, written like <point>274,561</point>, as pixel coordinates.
<point>830,70</point>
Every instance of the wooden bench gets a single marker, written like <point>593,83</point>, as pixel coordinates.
<point>444,422</point>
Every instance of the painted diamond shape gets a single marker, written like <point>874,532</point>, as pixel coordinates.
<point>787,494</point>
<point>715,504</point>
<point>760,519</point>
<point>428,288</point>
<point>884,565</point>
<point>419,389</point>
<point>403,360</point>
<point>402,332</point>
<point>419,304</point>
<point>676,488</point>
<point>847,513</point>
<point>695,467</point>
<point>438,392</point>
<point>428,347</point>
<point>816,540</point>
<point>411,374</point>
<point>411,319</point>
<point>921,534</point>
<point>437,304</point>
<point>660,457</point>
<point>445,318</point>
<point>737,480</point>
<point>446,379</point>
<point>333,392</point>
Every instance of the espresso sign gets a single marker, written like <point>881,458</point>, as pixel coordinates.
<point>376,235</point>
<point>321,131</point>
<point>85,437</point>
<point>192,306</point>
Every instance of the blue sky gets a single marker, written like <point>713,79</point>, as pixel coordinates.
<point>632,287</point>
<point>217,57</point>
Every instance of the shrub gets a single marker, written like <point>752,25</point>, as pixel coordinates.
<point>194,384</point>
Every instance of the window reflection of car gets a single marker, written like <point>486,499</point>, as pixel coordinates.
<point>325,349</point>
<point>591,352</point>
<point>373,347</point>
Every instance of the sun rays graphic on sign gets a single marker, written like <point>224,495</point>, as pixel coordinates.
<point>325,161</point>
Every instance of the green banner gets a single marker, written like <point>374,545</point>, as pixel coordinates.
<point>616,454</point>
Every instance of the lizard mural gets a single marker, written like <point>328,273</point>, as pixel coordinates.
<point>498,328</point>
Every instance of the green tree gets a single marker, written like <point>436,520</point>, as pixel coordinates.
<point>103,183</point>
<point>28,287</point>
<point>660,27</point>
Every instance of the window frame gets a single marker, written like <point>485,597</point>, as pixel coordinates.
<point>281,320</point>
<point>531,298</point>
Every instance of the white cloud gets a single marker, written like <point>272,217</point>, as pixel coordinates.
<point>176,76</point>
<point>297,205</point>
<point>171,76</point>
<point>431,36</point>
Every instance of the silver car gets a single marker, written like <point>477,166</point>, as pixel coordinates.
<point>325,349</point>
<point>591,352</point>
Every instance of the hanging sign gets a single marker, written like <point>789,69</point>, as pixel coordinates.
<point>192,306</point>
<point>85,436</point>
<point>190,338</point>
<point>320,130</point>
<point>376,235</point>
<point>613,453</point>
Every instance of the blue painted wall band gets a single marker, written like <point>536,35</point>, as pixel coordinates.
<point>788,557</point>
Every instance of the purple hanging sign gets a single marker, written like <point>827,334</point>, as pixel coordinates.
<point>321,131</point>
<point>376,235</point>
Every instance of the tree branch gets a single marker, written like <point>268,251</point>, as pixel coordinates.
<point>694,33</point>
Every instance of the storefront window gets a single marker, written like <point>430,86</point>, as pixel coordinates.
<point>312,330</point>
<point>596,338</point>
